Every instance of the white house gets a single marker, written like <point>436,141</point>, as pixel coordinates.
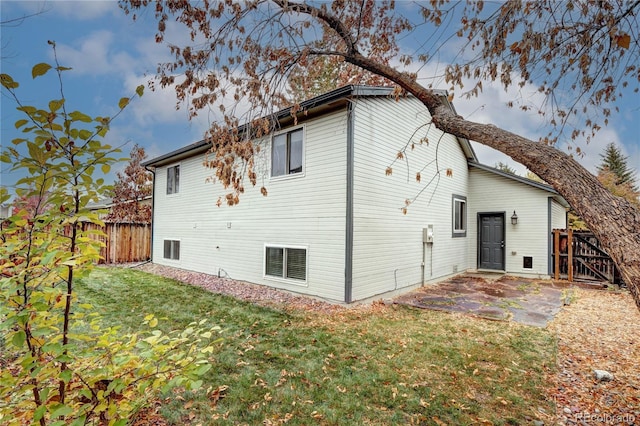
<point>5,211</point>
<point>333,224</point>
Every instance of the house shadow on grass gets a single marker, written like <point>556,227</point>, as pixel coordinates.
<point>522,300</point>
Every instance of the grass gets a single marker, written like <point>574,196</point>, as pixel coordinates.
<point>378,366</point>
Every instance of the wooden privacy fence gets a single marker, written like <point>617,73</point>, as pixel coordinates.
<point>124,242</point>
<point>577,255</point>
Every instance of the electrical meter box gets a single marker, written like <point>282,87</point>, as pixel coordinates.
<point>427,234</point>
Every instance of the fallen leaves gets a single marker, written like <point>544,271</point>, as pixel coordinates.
<point>316,415</point>
<point>217,394</point>
<point>149,416</point>
<point>438,421</point>
<point>598,331</point>
<point>274,393</point>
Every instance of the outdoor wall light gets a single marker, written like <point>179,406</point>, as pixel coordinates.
<point>514,218</point>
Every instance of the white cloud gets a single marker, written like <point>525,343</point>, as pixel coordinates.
<point>115,50</point>
<point>491,107</point>
<point>90,56</point>
<point>70,9</point>
<point>151,53</point>
<point>491,157</point>
<point>155,106</point>
<point>590,152</point>
<point>84,10</point>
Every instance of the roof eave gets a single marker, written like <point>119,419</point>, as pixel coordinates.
<point>179,154</point>
<point>324,99</point>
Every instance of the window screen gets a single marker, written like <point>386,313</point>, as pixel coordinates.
<point>284,262</point>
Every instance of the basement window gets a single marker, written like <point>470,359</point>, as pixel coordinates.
<point>286,262</point>
<point>172,249</point>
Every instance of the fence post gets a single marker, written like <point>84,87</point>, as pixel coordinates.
<point>570,254</point>
<point>556,252</point>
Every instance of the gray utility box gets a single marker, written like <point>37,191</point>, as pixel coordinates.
<point>427,234</point>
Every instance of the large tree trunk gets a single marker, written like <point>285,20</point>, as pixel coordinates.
<point>613,220</point>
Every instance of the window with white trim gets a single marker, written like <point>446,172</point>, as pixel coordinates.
<point>172,249</point>
<point>287,153</point>
<point>459,221</point>
<point>286,262</point>
<point>173,179</point>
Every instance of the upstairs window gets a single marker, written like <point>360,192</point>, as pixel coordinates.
<point>459,216</point>
<point>286,262</point>
<point>173,180</point>
<point>286,153</point>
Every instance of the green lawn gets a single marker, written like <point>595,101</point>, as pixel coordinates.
<point>381,365</point>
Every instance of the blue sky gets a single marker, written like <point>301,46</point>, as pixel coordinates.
<point>111,55</point>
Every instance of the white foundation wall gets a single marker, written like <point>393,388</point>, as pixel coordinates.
<point>387,244</point>
<point>301,211</point>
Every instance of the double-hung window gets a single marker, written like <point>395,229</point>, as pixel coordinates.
<point>286,262</point>
<point>459,216</point>
<point>287,153</point>
<point>173,179</point>
<point>172,249</point>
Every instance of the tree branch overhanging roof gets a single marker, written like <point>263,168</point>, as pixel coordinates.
<point>345,92</point>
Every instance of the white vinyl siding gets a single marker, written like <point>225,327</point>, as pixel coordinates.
<point>558,215</point>
<point>387,244</point>
<point>529,238</point>
<point>294,238</point>
<point>230,241</point>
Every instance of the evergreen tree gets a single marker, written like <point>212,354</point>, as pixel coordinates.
<point>504,167</point>
<point>614,161</point>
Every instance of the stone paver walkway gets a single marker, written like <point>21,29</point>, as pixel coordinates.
<point>526,301</point>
